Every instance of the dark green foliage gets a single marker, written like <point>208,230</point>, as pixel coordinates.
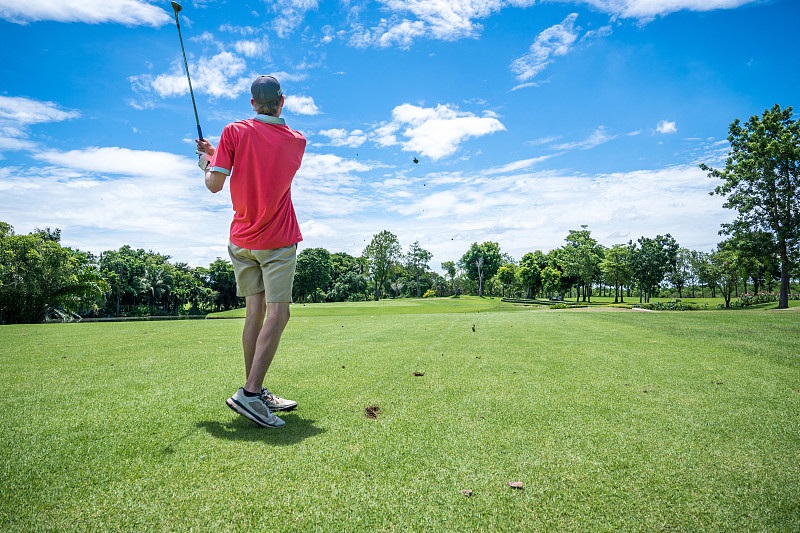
<point>39,275</point>
<point>313,273</point>
<point>417,262</point>
<point>383,254</point>
<point>481,262</point>
<point>651,260</point>
<point>222,280</point>
<point>761,181</point>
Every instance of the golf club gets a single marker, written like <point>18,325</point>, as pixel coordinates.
<point>177,7</point>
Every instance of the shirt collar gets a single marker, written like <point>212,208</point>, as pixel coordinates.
<point>271,120</point>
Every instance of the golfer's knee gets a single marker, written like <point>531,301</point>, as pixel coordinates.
<point>256,303</point>
<point>279,312</point>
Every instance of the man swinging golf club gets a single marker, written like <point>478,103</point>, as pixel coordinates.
<point>261,155</point>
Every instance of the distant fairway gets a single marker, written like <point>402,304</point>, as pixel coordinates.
<point>464,304</point>
<point>613,421</point>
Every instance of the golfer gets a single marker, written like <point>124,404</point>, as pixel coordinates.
<point>261,155</point>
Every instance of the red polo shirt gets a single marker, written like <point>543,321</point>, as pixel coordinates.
<point>261,155</point>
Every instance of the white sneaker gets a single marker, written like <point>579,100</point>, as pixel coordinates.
<point>276,403</point>
<point>255,408</point>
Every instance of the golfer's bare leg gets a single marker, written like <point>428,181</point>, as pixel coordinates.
<point>267,344</point>
<point>253,322</point>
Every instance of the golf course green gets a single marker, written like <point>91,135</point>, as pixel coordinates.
<point>413,416</point>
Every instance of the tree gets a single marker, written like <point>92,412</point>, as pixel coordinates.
<point>582,258</point>
<point>349,287</point>
<point>343,263</point>
<point>507,275</point>
<point>761,180</point>
<point>651,261</point>
<point>558,259</point>
<point>616,266</point>
<point>450,270</point>
<point>38,276</point>
<point>758,254</point>
<point>348,282</point>
<point>726,266</point>
<point>155,283</point>
<point>312,272</point>
<point>551,280</point>
<point>481,262</point>
<point>382,254</point>
<point>530,271</point>
<point>706,273</point>
<point>222,279</point>
<point>128,268</point>
<point>681,274</point>
<point>417,260</point>
<point>530,277</point>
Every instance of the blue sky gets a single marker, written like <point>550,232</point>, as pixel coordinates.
<point>528,118</point>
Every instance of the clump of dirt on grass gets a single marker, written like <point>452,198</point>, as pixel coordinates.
<point>372,411</point>
<point>418,373</point>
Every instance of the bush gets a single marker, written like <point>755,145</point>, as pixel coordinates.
<point>566,306</point>
<point>672,306</point>
<point>430,293</point>
<point>747,299</point>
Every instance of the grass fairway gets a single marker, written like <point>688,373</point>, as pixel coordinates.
<point>612,420</point>
<point>405,306</point>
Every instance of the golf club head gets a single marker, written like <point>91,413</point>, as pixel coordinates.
<point>176,6</point>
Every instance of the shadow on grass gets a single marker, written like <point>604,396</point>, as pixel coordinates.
<point>295,430</point>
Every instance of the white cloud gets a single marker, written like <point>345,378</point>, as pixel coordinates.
<point>24,111</point>
<point>105,197</point>
<point>301,105</point>
<point>286,76</point>
<point>450,20</point>
<point>341,137</point>
<point>115,160</point>
<point>127,12</point>
<point>447,20</point>
<point>17,114</point>
<point>542,140</point>
<point>554,41</point>
<point>289,14</point>
<point>648,9</point>
<point>458,209</point>
<point>220,76</point>
<point>520,165</point>
<point>9,144</point>
<point>241,30</point>
<point>328,186</point>
<point>433,132</point>
<point>666,127</point>
<point>251,48</point>
<point>598,137</point>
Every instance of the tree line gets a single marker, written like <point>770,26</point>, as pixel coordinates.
<point>41,280</point>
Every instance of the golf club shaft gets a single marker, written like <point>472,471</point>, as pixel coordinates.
<point>185,64</point>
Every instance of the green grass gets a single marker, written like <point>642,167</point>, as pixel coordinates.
<point>614,421</point>
<point>463,304</point>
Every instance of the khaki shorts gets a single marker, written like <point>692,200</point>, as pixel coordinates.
<point>271,271</point>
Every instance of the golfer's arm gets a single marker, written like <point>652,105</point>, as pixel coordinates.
<point>215,180</point>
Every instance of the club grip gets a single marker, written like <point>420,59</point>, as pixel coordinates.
<point>199,132</point>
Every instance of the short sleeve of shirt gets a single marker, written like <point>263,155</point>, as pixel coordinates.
<point>222,161</point>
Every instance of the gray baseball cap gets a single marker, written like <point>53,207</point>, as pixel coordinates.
<point>266,89</point>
